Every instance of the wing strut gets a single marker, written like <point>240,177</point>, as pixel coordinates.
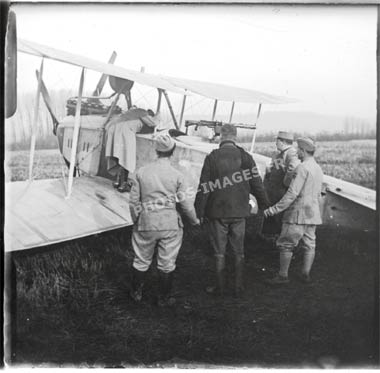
<point>103,78</point>
<point>232,110</point>
<point>35,120</point>
<point>170,108</point>
<point>159,100</point>
<point>214,111</point>
<point>47,100</point>
<point>114,102</point>
<point>128,98</point>
<point>254,131</point>
<point>75,135</point>
<point>182,110</point>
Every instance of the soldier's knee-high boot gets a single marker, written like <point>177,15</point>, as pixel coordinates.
<point>239,275</point>
<point>218,289</point>
<point>137,284</point>
<point>116,183</point>
<point>125,186</point>
<point>220,274</point>
<point>165,287</point>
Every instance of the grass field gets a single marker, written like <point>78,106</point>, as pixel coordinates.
<point>73,307</point>
<point>353,161</point>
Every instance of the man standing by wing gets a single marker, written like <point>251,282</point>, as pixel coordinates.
<point>152,203</point>
<point>228,176</point>
<point>301,213</point>
<point>279,174</point>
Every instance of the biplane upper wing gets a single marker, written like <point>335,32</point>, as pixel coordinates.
<point>225,92</point>
<point>151,80</point>
<point>178,85</point>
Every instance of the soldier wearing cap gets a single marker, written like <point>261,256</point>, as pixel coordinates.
<point>157,223</point>
<point>279,174</point>
<point>223,199</point>
<point>301,213</point>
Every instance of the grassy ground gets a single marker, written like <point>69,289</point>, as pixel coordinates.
<point>73,308</point>
<point>47,164</point>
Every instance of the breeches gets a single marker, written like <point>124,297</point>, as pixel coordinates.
<point>227,230</point>
<point>292,234</point>
<point>168,244</point>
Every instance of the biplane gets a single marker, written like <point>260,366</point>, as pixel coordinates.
<point>44,212</point>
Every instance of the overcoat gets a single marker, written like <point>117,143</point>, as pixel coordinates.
<point>301,201</point>
<point>228,176</point>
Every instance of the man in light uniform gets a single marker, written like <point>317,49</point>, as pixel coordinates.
<point>279,175</point>
<point>157,223</point>
<point>302,213</point>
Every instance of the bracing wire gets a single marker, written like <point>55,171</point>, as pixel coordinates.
<point>143,96</point>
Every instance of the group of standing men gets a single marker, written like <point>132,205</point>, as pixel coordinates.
<point>229,175</point>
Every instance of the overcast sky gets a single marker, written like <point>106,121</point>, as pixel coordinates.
<point>325,56</point>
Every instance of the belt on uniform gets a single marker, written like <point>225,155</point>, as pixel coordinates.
<point>158,203</point>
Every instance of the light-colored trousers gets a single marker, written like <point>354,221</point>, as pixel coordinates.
<point>292,234</point>
<point>168,244</point>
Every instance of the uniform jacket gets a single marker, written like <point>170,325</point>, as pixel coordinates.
<point>301,201</point>
<point>223,190</point>
<point>278,178</point>
<point>153,197</point>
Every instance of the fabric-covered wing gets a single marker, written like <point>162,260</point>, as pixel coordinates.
<point>38,214</point>
<point>178,85</point>
<point>226,93</point>
<point>74,59</point>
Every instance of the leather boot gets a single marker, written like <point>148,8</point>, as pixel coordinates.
<point>124,184</point>
<point>137,284</point>
<point>116,183</point>
<point>165,288</point>
<point>239,276</point>
<point>218,289</point>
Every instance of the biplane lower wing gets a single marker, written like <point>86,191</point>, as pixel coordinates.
<point>38,214</point>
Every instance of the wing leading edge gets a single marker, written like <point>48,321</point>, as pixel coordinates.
<point>177,85</point>
<point>227,93</point>
<point>40,50</point>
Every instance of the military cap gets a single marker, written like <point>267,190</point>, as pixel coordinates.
<point>164,143</point>
<point>306,143</point>
<point>283,135</point>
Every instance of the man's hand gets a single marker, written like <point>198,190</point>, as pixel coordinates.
<point>203,220</point>
<point>197,223</point>
<point>268,212</point>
